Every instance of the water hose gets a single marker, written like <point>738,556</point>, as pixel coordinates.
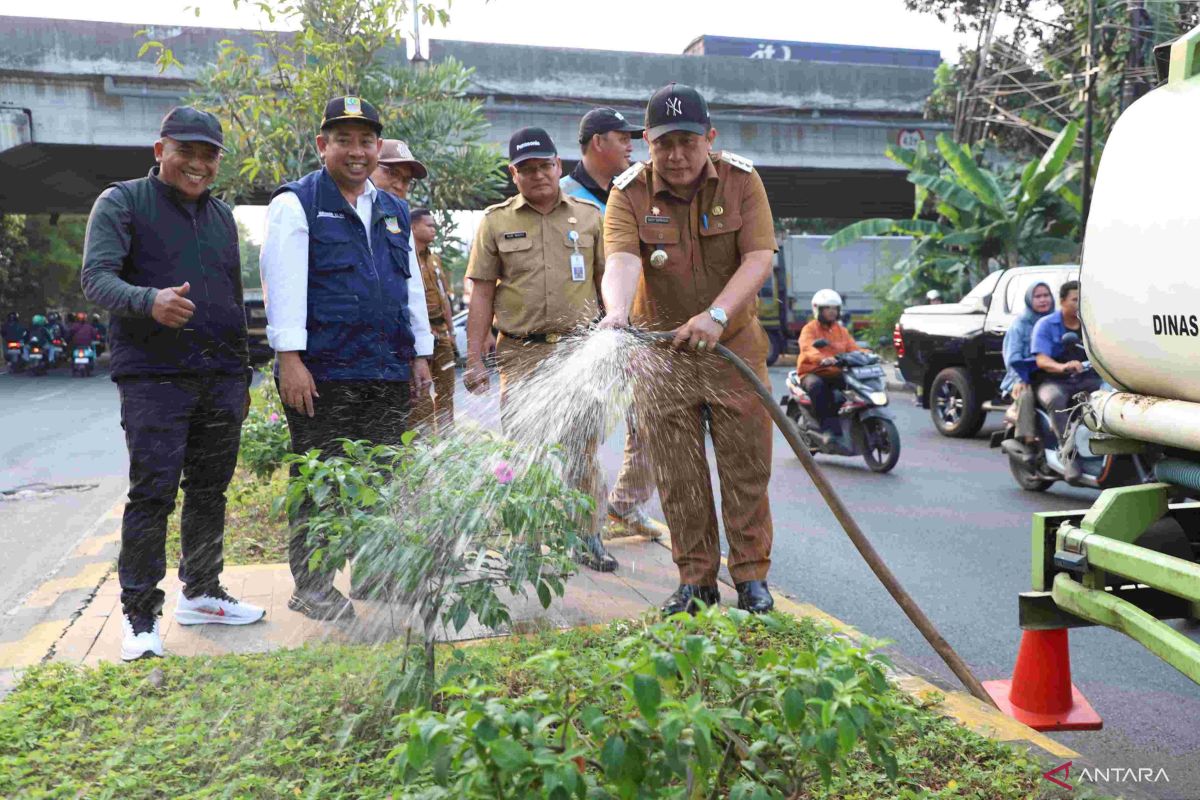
<point>890,582</point>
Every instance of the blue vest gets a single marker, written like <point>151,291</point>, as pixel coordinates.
<point>576,189</point>
<point>358,325</point>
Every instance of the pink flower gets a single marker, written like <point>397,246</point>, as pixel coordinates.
<point>503,472</point>
<point>274,417</point>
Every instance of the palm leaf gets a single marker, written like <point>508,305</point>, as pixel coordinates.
<point>969,173</point>
<point>947,190</point>
<point>882,227</point>
<point>1049,167</point>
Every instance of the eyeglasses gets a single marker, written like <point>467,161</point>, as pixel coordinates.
<point>529,168</point>
<point>398,171</point>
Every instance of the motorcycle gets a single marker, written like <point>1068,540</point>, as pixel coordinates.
<point>864,425</point>
<point>58,346</point>
<point>14,356</point>
<point>36,355</point>
<point>83,361</point>
<point>1036,468</point>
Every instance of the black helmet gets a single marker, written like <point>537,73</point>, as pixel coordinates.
<point>13,316</point>
<point>96,318</point>
<point>53,316</point>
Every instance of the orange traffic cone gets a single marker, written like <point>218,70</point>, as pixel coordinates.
<point>1040,693</point>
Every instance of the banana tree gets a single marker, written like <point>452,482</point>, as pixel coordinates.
<point>969,217</point>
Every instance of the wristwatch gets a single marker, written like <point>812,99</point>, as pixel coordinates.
<point>718,316</point>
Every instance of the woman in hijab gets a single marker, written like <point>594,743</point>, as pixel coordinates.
<point>1039,301</point>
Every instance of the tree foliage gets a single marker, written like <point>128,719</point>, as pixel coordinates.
<point>39,263</point>
<point>975,218</point>
<point>270,97</point>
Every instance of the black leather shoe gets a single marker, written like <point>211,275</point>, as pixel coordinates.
<point>594,555</point>
<point>754,597</point>
<point>685,598</point>
<point>323,605</point>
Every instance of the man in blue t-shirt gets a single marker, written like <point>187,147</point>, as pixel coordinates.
<point>1061,374</point>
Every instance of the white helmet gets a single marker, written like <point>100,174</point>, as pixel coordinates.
<point>824,298</point>
<point>933,294</point>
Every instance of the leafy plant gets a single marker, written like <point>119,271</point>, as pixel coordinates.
<point>982,217</point>
<point>684,708</point>
<point>265,438</point>
<point>443,525</point>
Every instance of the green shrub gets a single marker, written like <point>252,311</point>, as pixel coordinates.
<point>265,438</point>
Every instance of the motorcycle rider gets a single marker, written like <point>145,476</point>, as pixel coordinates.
<point>83,333</point>
<point>1061,374</point>
<point>12,330</point>
<point>1018,342</point>
<point>39,331</point>
<point>817,366</point>
<point>933,297</point>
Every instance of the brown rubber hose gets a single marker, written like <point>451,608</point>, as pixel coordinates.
<point>890,582</point>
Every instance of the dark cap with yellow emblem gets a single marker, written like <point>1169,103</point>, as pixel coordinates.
<point>351,109</point>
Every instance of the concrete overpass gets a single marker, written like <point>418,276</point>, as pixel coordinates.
<point>79,109</point>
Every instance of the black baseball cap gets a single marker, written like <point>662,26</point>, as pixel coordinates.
<point>530,143</point>
<point>187,124</point>
<point>351,109</point>
<point>676,107</point>
<point>603,120</point>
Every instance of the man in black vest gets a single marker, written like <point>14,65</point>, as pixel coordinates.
<point>345,314</point>
<point>162,255</point>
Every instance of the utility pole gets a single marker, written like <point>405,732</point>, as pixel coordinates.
<point>1089,101</point>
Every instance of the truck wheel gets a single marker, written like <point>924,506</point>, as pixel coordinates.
<point>953,406</point>
<point>776,347</point>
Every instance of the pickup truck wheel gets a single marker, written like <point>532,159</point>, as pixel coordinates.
<point>953,406</point>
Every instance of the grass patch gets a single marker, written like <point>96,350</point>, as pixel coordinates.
<point>253,535</point>
<point>317,723</point>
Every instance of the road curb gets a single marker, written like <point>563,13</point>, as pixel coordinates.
<point>55,605</point>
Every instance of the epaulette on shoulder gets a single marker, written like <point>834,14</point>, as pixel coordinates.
<point>626,177</point>
<point>501,204</point>
<point>585,200</point>
<point>734,160</point>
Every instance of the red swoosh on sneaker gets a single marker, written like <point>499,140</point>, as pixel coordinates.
<point>218,612</point>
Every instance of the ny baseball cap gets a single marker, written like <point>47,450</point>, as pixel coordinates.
<point>676,107</point>
<point>603,120</point>
<point>187,124</point>
<point>351,109</point>
<point>395,151</point>
<point>530,143</point>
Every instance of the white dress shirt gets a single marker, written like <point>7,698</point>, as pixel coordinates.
<point>283,265</point>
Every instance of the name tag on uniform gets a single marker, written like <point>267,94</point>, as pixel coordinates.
<point>653,219</point>
<point>331,214</point>
<point>578,268</point>
<point>515,235</point>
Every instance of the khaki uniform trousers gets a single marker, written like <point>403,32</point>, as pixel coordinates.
<point>436,412</point>
<point>517,359</point>
<point>673,408</point>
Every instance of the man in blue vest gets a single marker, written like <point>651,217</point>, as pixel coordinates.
<point>161,254</point>
<point>606,142</point>
<point>345,314</point>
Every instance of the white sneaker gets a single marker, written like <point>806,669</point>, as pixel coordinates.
<point>215,607</point>
<point>141,639</point>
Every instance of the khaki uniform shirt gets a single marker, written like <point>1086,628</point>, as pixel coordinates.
<point>529,253</point>
<point>437,290</point>
<point>703,237</point>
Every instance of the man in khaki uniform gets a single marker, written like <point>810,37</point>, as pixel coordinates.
<point>435,412</point>
<point>535,266</point>
<point>689,238</point>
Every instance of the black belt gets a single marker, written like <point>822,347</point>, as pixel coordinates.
<point>547,338</point>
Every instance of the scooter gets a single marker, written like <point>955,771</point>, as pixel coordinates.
<point>83,361</point>
<point>36,355</point>
<point>1038,467</point>
<point>14,356</point>
<point>58,348</point>
<point>864,425</point>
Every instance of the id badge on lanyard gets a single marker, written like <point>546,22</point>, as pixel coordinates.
<point>578,267</point>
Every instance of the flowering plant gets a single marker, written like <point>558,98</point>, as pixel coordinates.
<point>265,438</point>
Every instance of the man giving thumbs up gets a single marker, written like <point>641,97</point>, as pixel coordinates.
<point>161,254</point>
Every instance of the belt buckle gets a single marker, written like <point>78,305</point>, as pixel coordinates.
<point>552,338</point>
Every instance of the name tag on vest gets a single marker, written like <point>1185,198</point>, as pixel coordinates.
<point>331,214</point>
<point>652,219</point>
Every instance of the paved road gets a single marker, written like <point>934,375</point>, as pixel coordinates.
<point>949,520</point>
<point>55,431</point>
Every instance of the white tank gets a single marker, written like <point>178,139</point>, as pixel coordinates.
<point>1140,298</point>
